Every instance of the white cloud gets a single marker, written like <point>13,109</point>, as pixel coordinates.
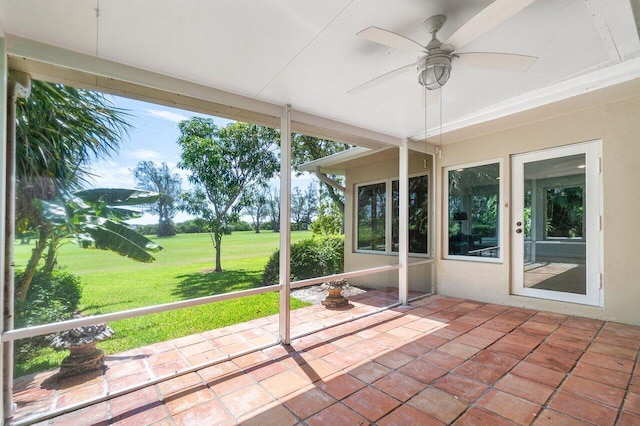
<point>144,154</point>
<point>167,115</point>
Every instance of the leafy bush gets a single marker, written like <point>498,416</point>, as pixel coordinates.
<point>194,226</point>
<point>266,226</point>
<point>310,258</point>
<point>51,298</point>
<point>242,226</point>
<point>329,220</point>
<point>150,229</point>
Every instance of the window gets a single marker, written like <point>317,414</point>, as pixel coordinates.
<point>372,217</point>
<point>474,213</point>
<point>378,223</point>
<point>418,214</point>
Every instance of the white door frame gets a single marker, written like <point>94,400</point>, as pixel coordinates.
<point>592,228</point>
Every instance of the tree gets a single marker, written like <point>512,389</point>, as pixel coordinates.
<point>158,178</point>
<point>256,205</point>
<point>307,148</point>
<point>223,163</point>
<point>94,218</point>
<point>297,207</point>
<point>310,205</point>
<point>304,205</point>
<point>59,131</point>
<point>328,222</point>
<point>273,203</point>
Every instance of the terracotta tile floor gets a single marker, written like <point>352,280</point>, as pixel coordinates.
<point>438,361</point>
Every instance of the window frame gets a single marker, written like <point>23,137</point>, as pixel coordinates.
<point>389,216</point>
<point>501,213</point>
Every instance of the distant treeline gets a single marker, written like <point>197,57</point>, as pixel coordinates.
<point>197,226</point>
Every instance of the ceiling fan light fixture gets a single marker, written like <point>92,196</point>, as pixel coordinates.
<point>434,70</point>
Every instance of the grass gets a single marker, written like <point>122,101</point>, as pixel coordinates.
<point>181,271</point>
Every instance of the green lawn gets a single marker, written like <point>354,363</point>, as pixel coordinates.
<point>181,271</point>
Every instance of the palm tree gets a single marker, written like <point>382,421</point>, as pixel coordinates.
<point>59,131</point>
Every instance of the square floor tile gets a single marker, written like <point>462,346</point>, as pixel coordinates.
<point>526,389</point>
<point>594,390</point>
<point>308,401</point>
<point>371,403</point>
<point>422,371</point>
<point>337,414</point>
<point>461,387</point>
<point>583,408</point>
<point>478,417</point>
<point>246,400</point>
<point>340,385</point>
<point>438,404</point>
<point>406,415</point>
<point>539,374</point>
<point>509,406</point>
<point>284,383</point>
<point>399,386</point>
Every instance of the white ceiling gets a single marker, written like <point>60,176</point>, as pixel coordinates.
<point>306,53</point>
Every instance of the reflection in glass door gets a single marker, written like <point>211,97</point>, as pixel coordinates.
<point>556,224</point>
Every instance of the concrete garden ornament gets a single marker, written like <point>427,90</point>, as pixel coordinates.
<point>335,299</point>
<point>81,342</point>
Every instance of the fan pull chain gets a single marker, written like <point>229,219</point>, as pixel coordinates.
<point>426,145</point>
<point>440,150</point>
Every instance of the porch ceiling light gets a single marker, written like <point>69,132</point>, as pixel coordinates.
<point>434,70</point>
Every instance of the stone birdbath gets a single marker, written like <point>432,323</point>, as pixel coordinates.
<point>81,342</point>
<point>335,299</point>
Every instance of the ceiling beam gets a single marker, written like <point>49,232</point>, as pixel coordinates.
<point>55,64</point>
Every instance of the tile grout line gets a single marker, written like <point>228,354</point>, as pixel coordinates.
<point>628,390</point>
<point>570,372</point>
<point>491,386</point>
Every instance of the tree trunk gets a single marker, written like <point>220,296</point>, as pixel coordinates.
<point>218,244</point>
<point>51,258</point>
<point>30,271</point>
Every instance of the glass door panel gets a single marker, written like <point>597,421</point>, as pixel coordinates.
<point>556,224</point>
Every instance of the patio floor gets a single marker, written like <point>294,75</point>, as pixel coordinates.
<point>438,361</point>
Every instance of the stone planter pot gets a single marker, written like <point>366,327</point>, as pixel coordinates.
<point>81,342</point>
<point>82,359</point>
<point>335,299</point>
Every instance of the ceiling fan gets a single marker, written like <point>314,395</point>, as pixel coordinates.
<point>434,59</point>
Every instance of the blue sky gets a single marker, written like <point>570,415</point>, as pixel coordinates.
<point>153,137</point>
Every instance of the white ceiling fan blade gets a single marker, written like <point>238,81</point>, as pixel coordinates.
<point>490,17</point>
<point>496,61</point>
<point>391,39</point>
<point>381,78</point>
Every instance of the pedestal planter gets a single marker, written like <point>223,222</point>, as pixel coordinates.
<point>335,299</point>
<point>81,342</point>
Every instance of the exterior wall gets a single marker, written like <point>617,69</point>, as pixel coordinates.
<point>419,276</point>
<point>618,126</point>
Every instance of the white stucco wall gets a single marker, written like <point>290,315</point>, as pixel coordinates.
<point>617,124</point>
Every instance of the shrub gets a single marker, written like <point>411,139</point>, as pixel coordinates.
<point>328,222</point>
<point>310,258</point>
<point>241,226</point>
<point>149,229</point>
<point>194,226</point>
<point>51,298</point>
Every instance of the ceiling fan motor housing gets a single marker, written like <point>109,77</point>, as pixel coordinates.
<point>434,69</point>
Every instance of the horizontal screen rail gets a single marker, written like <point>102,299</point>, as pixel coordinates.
<point>39,330</point>
<point>44,329</point>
